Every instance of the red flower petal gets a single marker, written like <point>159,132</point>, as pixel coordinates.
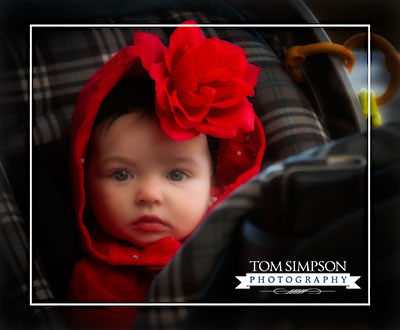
<point>157,73</point>
<point>204,97</point>
<point>251,74</point>
<point>240,117</point>
<point>168,90</point>
<point>149,48</point>
<point>170,127</point>
<point>187,117</point>
<point>216,131</point>
<point>184,74</point>
<point>240,65</point>
<point>232,93</point>
<point>214,59</point>
<point>183,39</point>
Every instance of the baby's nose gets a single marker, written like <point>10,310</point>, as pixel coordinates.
<point>149,192</point>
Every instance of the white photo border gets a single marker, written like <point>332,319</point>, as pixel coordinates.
<point>178,304</point>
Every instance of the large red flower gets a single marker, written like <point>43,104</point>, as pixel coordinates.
<point>202,84</point>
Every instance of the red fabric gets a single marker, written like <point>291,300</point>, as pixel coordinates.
<point>201,87</point>
<point>127,280</point>
<point>239,158</point>
<point>96,281</point>
<point>201,84</point>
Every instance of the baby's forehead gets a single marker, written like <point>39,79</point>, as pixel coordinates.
<point>135,134</point>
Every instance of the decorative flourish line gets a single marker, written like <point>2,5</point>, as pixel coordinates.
<point>297,291</point>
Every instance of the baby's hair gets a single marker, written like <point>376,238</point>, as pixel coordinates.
<point>136,94</point>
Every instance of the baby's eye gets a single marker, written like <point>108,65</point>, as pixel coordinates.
<point>177,175</point>
<point>121,175</point>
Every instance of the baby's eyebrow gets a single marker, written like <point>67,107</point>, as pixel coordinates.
<point>114,158</point>
<point>185,159</point>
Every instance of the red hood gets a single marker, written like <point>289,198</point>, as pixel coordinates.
<point>239,157</point>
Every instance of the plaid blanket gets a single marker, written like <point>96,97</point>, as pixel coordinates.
<point>14,261</point>
<point>63,60</point>
<point>339,234</point>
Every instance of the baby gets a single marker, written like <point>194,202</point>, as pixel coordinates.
<point>138,179</point>
<point>159,137</point>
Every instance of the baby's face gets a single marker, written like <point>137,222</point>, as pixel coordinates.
<point>142,185</point>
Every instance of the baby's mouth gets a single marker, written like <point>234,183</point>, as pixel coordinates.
<point>149,223</point>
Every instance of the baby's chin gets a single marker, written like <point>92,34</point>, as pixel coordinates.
<point>145,242</point>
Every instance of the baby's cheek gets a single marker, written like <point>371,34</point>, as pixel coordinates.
<point>196,210</point>
<point>107,203</point>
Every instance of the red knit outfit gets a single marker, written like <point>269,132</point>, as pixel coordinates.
<point>126,277</point>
